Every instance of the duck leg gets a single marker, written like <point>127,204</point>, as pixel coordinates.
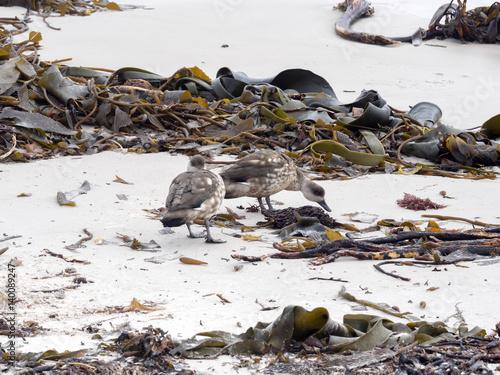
<point>210,239</point>
<point>268,201</point>
<point>261,204</point>
<point>194,235</point>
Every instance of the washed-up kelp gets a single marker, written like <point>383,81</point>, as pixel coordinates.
<point>353,10</point>
<point>81,8</point>
<point>49,8</point>
<point>428,245</point>
<point>282,218</point>
<point>49,109</point>
<point>451,20</point>
<point>369,340</point>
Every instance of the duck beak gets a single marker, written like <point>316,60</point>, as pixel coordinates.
<point>325,206</point>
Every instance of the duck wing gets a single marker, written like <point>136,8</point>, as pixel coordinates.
<point>190,189</point>
<point>256,165</point>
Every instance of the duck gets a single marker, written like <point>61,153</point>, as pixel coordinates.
<point>267,172</point>
<point>195,194</point>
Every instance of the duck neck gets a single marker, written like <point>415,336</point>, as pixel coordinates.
<point>297,182</point>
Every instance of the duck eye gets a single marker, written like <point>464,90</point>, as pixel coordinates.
<point>319,192</point>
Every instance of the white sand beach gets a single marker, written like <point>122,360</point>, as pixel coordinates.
<point>263,38</point>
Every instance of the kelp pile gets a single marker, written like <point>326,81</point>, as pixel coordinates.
<point>79,8</point>
<point>49,8</point>
<point>50,109</point>
<point>306,237</point>
<point>364,343</point>
<point>481,24</point>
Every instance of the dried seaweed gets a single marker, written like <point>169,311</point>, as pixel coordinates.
<point>361,343</point>
<point>281,218</point>
<point>65,199</point>
<point>415,203</point>
<point>65,258</point>
<point>449,21</point>
<point>50,109</point>
<point>80,242</point>
<point>408,244</point>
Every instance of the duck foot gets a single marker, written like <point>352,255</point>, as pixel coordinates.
<point>209,237</point>
<point>214,240</point>
<point>194,235</point>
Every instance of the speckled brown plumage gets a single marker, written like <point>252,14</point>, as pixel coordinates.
<point>268,172</point>
<point>194,195</point>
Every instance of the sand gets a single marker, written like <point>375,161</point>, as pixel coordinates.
<point>263,38</point>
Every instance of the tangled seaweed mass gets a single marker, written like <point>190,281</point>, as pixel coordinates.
<point>449,21</point>
<point>52,109</point>
<point>385,346</point>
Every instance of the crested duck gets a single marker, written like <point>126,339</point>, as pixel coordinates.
<point>195,194</point>
<point>265,173</point>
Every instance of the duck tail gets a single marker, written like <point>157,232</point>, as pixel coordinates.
<point>173,221</point>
